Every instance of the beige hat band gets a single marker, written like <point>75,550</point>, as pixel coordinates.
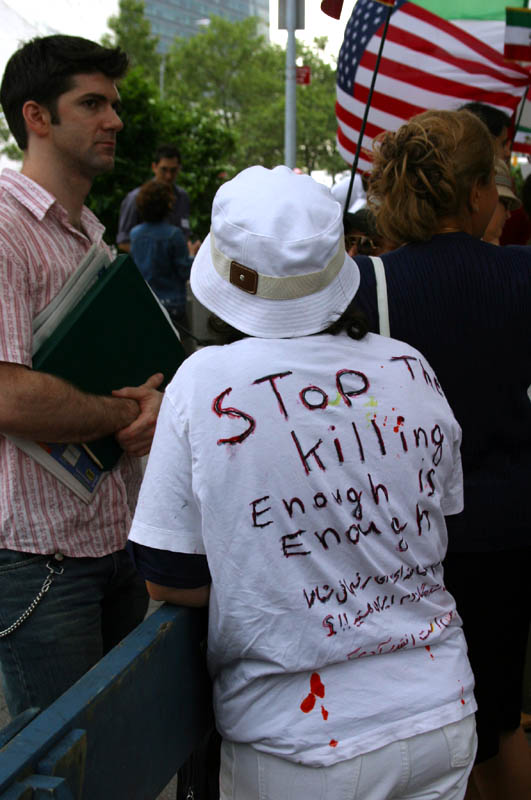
<point>504,180</point>
<point>272,288</point>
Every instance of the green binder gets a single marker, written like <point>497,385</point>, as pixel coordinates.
<point>117,335</point>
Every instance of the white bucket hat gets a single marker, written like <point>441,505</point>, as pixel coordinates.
<point>274,264</point>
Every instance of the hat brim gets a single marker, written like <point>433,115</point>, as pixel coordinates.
<point>508,194</point>
<point>272,319</point>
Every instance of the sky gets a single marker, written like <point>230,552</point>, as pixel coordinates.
<point>82,18</point>
<point>76,17</point>
<point>316,24</point>
<point>89,19</point>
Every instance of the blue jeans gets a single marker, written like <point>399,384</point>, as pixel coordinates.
<point>88,609</point>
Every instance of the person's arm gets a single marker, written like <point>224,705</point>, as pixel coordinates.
<point>193,247</point>
<point>182,254</point>
<point>168,515</point>
<point>195,598</point>
<point>129,217</point>
<point>35,405</point>
<point>179,578</point>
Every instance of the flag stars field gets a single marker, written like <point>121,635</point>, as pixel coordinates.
<point>427,63</point>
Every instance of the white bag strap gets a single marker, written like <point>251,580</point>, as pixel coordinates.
<point>381,296</point>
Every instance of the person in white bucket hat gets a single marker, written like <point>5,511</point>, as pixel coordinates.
<point>297,484</point>
<point>275,236</point>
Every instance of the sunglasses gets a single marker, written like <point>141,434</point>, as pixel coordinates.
<point>364,245</point>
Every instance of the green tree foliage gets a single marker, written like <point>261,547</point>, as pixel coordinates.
<point>204,143</point>
<point>214,68</point>
<point>149,121</point>
<point>316,116</point>
<point>132,32</point>
<point>8,146</point>
<point>231,70</point>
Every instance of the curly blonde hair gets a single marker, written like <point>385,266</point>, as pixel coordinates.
<point>424,172</point>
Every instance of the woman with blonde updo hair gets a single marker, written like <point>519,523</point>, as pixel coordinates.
<point>466,305</point>
<point>424,174</point>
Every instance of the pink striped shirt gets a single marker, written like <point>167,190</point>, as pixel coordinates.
<point>39,250</point>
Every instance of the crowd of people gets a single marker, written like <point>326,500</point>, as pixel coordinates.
<point>342,480</point>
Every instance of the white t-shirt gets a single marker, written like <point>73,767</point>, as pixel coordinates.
<point>315,474</point>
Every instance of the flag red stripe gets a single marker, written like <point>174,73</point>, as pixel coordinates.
<point>384,102</point>
<point>421,45</point>
<point>353,121</point>
<point>428,81</point>
<point>520,52</point>
<point>458,33</point>
<point>520,147</point>
<point>349,145</point>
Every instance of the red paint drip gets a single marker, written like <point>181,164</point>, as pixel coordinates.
<point>463,702</point>
<point>316,686</point>
<point>333,743</point>
<point>308,703</point>
<point>428,648</point>
<point>324,712</point>
<point>399,423</point>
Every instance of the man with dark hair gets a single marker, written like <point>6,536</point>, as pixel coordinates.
<point>166,166</point>
<point>498,124</point>
<point>43,69</point>
<point>61,103</point>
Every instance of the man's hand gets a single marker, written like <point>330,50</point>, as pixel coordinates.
<point>136,438</point>
<point>193,247</point>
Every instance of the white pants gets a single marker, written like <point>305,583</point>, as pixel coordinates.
<point>430,766</point>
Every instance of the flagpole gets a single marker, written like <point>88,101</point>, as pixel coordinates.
<point>290,117</point>
<point>517,123</point>
<point>367,107</point>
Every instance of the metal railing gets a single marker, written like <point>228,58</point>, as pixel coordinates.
<point>122,731</point>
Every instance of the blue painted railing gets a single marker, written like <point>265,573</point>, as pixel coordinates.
<point>122,731</point>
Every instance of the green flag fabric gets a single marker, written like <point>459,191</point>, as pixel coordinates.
<point>469,9</point>
<point>518,17</point>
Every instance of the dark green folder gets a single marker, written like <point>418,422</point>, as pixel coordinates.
<point>117,335</point>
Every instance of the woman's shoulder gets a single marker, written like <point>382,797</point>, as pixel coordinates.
<point>175,233</point>
<point>458,252</point>
<point>520,254</point>
<point>136,230</point>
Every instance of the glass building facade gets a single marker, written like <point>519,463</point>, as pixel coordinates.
<point>171,18</point>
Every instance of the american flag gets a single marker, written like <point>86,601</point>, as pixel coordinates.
<point>427,63</point>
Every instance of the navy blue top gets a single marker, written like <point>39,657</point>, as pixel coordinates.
<point>466,305</point>
<point>180,570</point>
<point>160,252</point>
